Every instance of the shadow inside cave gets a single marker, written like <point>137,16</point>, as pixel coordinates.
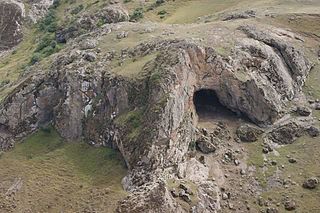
<point>210,109</point>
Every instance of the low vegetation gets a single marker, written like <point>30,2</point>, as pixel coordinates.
<point>69,176</point>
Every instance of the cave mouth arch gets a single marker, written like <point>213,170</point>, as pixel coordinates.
<point>209,107</point>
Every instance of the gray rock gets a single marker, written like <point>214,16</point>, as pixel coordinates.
<point>242,15</point>
<point>174,193</point>
<point>311,183</point>
<point>205,145</point>
<point>271,210</point>
<point>11,18</point>
<point>313,131</point>
<point>292,160</point>
<point>185,197</point>
<point>122,35</point>
<point>289,205</point>
<point>90,56</point>
<point>248,133</point>
<point>286,134</point>
<point>88,44</point>
<point>186,189</point>
<point>303,111</point>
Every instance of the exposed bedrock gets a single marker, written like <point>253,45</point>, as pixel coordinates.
<point>11,16</point>
<point>153,120</point>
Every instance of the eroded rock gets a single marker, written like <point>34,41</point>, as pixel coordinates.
<point>311,183</point>
<point>11,18</point>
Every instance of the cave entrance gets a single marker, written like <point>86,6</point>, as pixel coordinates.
<point>209,108</point>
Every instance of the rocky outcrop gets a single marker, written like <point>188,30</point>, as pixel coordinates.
<point>11,17</point>
<point>88,22</point>
<point>39,8</point>
<point>153,120</point>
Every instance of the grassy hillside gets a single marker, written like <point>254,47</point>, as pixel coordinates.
<point>58,176</point>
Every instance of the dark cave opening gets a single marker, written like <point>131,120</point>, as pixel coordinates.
<point>208,106</point>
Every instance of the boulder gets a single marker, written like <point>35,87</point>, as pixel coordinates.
<point>286,133</point>
<point>205,145</point>
<point>248,133</point>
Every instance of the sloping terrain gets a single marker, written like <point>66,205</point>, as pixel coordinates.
<point>213,106</point>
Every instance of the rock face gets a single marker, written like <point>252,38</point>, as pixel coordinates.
<point>11,17</point>
<point>152,120</point>
<point>38,9</point>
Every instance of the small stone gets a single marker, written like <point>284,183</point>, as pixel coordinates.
<point>311,183</point>
<point>185,197</point>
<point>292,160</point>
<point>242,172</point>
<point>313,131</point>
<point>237,162</point>
<point>186,189</point>
<point>225,196</point>
<point>90,56</point>
<point>174,193</point>
<point>271,210</point>
<point>289,205</point>
<point>274,162</point>
<point>122,35</point>
<point>303,111</point>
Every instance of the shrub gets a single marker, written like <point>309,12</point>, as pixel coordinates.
<point>49,22</point>
<point>137,15</point>
<point>35,58</point>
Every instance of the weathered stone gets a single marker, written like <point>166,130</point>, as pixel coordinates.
<point>289,205</point>
<point>286,134</point>
<point>205,145</point>
<point>248,133</point>
<point>88,44</point>
<point>90,56</point>
<point>292,160</point>
<point>271,210</point>
<point>303,111</point>
<point>186,189</point>
<point>242,15</point>
<point>311,183</point>
<point>11,17</point>
<point>185,197</point>
<point>313,131</point>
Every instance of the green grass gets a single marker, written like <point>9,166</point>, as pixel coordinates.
<point>133,68</point>
<point>307,152</point>
<point>66,177</point>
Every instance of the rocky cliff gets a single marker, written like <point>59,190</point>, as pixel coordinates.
<point>152,118</point>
